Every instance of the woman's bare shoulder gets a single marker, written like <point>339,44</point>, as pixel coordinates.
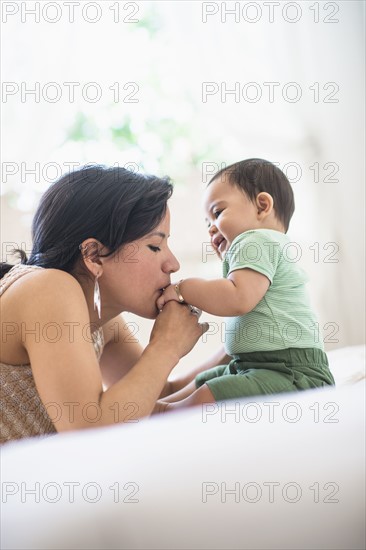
<point>45,280</point>
<point>44,289</point>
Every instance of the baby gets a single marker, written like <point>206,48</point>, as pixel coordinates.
<point>270,337</point>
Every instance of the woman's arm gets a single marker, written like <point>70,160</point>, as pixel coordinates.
<point>236,295</point>
<point>66,370</point>
<point>121,350</point>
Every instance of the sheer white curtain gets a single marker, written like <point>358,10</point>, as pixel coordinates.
<point>323,141</point>
<point>317,141</point>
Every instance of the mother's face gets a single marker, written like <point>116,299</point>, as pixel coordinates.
<point>132,279</point>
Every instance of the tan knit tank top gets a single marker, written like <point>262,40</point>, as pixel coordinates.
<point>22,413</point>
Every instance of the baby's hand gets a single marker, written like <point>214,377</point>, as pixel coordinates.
<point>169,293</point>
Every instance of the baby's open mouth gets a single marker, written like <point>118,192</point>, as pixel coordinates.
<point>219,243</point>
<point>222,246</point>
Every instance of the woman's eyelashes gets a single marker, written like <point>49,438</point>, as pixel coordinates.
<point>154,248</point>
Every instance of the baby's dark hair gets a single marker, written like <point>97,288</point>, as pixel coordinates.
<point>254,176</point>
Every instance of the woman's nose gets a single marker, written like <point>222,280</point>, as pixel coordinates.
<point>171,265</point>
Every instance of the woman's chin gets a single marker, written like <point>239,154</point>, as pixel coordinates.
<point>147,309</point>
<point>153,314</point>
<point>149,314</point>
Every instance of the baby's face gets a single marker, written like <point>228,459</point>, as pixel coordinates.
<point>229,212</point>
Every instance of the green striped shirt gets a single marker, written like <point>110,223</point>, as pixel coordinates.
<point>283,318</point>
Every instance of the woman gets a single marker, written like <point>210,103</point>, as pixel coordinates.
<point>99,248</point>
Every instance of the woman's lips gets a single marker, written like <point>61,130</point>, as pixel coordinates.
<point>162,288</point>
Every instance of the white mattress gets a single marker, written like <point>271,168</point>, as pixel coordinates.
<point>296,477</point>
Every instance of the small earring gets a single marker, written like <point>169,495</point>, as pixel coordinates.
<point>97,301</point>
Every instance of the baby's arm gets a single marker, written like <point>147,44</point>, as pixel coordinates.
<point>236,295</point>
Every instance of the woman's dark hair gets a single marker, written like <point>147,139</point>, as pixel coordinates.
<point>254,176</point>
<point>113,205</point>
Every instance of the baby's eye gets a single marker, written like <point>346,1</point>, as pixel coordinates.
<point>154,248</point>
<point>217,213</point>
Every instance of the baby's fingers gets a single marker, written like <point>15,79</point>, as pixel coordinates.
<point>160,302</point>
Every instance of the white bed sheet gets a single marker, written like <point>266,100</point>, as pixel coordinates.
<point>311,452</point>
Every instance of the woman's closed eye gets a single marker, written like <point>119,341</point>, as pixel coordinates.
<point>154,248</point>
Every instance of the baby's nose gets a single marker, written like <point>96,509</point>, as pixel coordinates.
<point>212,229</point>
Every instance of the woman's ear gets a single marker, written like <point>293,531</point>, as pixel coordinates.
<point>264,203</point>
<point>90,252</point>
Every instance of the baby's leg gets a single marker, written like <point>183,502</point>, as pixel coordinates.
<point>181,394</point>
<point>174,385</point>
<point>190,395</point>
<point>251,383</point>
<point>198,397</point>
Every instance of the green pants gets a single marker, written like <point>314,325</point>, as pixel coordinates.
<point>269,372</point>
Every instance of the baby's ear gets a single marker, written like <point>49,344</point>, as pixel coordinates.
<point>264,202</point>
